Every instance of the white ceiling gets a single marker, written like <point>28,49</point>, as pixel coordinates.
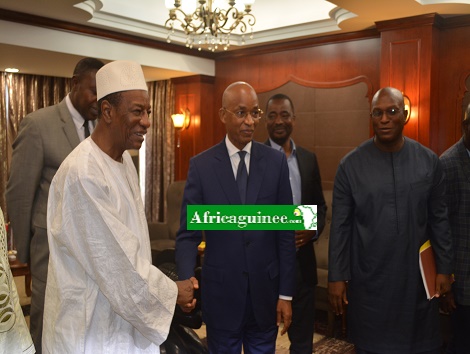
<point>52,52</point>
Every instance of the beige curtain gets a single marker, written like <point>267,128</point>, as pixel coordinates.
<point>160,150</point>
<point>21,94</point>
<point>3,140</point>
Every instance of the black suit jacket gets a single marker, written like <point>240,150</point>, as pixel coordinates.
<point>312,194</point>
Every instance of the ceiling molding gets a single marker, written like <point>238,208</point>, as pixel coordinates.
<point>440,2</point>
<point>50,23</point>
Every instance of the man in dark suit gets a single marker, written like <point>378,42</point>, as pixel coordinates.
<point>306,187</point>
<point>248,277</point>
<point>45,138</point>
<point>456,162</point>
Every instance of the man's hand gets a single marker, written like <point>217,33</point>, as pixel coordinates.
<point>302,237</point>
<point>447,303</point>
<point>337,296</point>
<point>443,283</point>
<point>185,298</point>
<point>284,314</point>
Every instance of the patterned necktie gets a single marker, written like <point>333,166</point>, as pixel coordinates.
<point>242,176</point>
<point>87,129</point>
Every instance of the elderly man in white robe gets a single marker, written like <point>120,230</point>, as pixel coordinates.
<point>103,294</point>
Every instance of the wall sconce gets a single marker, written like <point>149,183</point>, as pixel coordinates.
<point>181,122</point>
<point>407,101</point>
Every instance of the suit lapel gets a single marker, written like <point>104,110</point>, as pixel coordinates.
<point>223,170</point>
<point>68,126</point>
<point>465,159</point>
<point>257,170</point>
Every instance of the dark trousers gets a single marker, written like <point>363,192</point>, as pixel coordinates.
<point>253,339</point>
<point>460,320</point>
<point>303,316</point>
<point>39,262</point>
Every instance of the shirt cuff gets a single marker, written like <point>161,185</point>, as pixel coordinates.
<point>283,297</point>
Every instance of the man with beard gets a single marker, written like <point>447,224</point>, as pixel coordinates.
<point>305,181</point>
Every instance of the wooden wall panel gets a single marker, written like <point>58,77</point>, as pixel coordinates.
<point>320,125</point>
<point>403,61</point>
<point>423,57</point>
<point>329,68</point>
<point>323,63</point>
<point>454,73</point>
<point>408,64</point>
<point>195,93</point>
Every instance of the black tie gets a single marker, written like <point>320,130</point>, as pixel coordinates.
<point>242,176</point>
<point>87,129</point>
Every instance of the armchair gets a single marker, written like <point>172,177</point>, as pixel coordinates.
<point>163,234</point>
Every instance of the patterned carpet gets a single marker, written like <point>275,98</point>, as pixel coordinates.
<point>322,344</point>
<point>333,346</point>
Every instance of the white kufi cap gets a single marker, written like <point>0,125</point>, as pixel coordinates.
<point>119,75</point>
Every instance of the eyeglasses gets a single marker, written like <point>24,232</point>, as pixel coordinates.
<point>241,114</point>
<point>390,112</point>
<point>285,116</point>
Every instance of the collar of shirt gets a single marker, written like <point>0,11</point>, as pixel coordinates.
<point>235,158</point>
<point>294,172</point>
<point>78,120</point>
<point>280,148</point>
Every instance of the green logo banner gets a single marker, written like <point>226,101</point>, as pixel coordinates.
<point>251,217</point>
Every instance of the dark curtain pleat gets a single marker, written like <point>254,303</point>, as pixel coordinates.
<point>3,140</point>
<point>21,94</point>
<point>160,150</point>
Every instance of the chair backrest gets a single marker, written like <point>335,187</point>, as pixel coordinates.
<point>174,201</point>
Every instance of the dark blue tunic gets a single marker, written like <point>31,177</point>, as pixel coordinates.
<point>385,206</point>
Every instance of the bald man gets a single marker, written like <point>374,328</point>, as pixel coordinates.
<point>388,199</point>
<point>248,276</point>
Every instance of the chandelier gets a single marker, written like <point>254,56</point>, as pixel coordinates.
<point>207,24</point>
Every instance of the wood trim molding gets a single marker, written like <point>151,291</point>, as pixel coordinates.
<point>50,23</point>
<point>456,21</point>
<point>432,19</point>
<point>330,84</point>
<point>203,79</point>
<point>297,44</point>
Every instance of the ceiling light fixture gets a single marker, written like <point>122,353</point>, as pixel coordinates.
<point>209,23</point>
<point>12,70</point>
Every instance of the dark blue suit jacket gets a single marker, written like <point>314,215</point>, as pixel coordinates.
<point>238,264</point>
